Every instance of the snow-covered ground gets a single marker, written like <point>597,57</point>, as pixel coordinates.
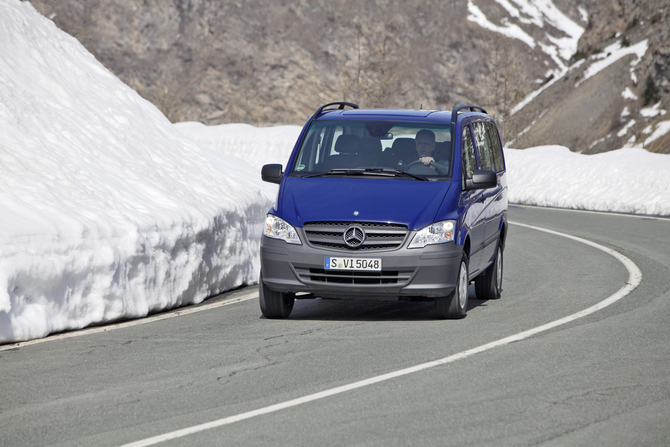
<point>109,211</point>
<point>106,210</point>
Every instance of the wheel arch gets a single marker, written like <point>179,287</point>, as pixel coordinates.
<point>466,247</point>
<point>503,235</point>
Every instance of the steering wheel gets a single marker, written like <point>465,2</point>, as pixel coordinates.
<point>420,168</point>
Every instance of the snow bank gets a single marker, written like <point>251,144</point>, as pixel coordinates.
<point>625,181</point>
<point>256,145</point>
<point>108,212</point>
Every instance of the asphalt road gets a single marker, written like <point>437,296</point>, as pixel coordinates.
<point>603,379</point>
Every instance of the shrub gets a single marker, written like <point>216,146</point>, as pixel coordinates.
<point>578,56</point>
<point>650,94</point>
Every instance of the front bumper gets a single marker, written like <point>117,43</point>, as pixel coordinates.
<point>429,272</point>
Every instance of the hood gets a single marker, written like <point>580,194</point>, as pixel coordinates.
<point>409,202</point>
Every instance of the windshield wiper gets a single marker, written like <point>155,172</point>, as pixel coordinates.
<point>385,172</point>
<point>394,172</point>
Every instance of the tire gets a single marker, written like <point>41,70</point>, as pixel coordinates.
<point>455,306</point>
<point>488,285</point>
<point>274,305</point>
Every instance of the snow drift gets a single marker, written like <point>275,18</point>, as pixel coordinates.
<point>107,211</point>
<point>631,181</point>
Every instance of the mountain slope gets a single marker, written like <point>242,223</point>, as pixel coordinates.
<point>275,62</point>
<point>264,62</point>
<point>616,92</point>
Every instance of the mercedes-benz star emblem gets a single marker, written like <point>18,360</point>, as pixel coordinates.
<point>354,236</point>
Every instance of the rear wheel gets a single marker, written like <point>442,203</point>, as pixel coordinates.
<point>488,285</point>
<point>455,305</point>
<point>275,305</point>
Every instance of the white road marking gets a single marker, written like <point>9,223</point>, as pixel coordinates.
<point>150,319</point>
<point>634,279</point>
<point>604,213</point>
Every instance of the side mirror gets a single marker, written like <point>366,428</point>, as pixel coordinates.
<point>272,173</point>
<point>481,179</point>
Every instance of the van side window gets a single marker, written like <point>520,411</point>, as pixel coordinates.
<point>494,144</point>
<point>469,161</point>
<point>486,160</point>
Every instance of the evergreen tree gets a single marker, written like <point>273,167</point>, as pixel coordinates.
<point>650,92</point>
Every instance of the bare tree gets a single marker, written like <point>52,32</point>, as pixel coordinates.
<point>376,72</point>
<point>507,82</point>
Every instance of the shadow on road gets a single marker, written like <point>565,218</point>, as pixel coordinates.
<point>372,310</point>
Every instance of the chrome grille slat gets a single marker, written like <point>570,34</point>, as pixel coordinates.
<point>379,236</point>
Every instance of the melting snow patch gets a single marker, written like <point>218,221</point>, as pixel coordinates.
<point>509,30</point>
<point>650,112</point>
<point>534,94</point>
<point>627,94</point>
<point>624,131</point>
<point>662,128</point>
<point>584,14</point>
<point>613,53</point>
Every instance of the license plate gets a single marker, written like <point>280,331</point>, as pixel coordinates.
<point>331,263</point>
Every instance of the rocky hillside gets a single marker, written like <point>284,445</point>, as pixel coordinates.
<point>273,62</point>
<point>616,92</point>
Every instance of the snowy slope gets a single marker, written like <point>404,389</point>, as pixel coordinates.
<point>256,145</point>
<point>107,211</point>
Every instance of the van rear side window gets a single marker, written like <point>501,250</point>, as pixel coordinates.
<point>488,146</point>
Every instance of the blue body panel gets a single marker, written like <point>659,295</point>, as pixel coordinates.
<point>409,202</point>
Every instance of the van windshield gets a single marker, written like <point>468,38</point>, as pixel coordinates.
<point>381,148</point>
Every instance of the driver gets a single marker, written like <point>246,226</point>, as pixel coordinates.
<point>425,145</point>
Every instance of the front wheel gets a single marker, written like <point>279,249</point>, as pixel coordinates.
<point>488,285</point>
<point>455,305</point>
<point>275,305</point>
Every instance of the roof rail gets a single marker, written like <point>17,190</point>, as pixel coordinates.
<point>341,107</point>
<point>454,113</point>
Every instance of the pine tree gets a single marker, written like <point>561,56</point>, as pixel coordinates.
<point>650,92</point>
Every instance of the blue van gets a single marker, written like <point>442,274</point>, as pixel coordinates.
<point>387,204</point>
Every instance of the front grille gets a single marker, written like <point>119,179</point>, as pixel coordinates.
<point>378,236</point>
<point>356,277</point>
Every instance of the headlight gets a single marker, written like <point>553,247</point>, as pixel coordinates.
<point>437,233</point>
<point>277,228</point>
